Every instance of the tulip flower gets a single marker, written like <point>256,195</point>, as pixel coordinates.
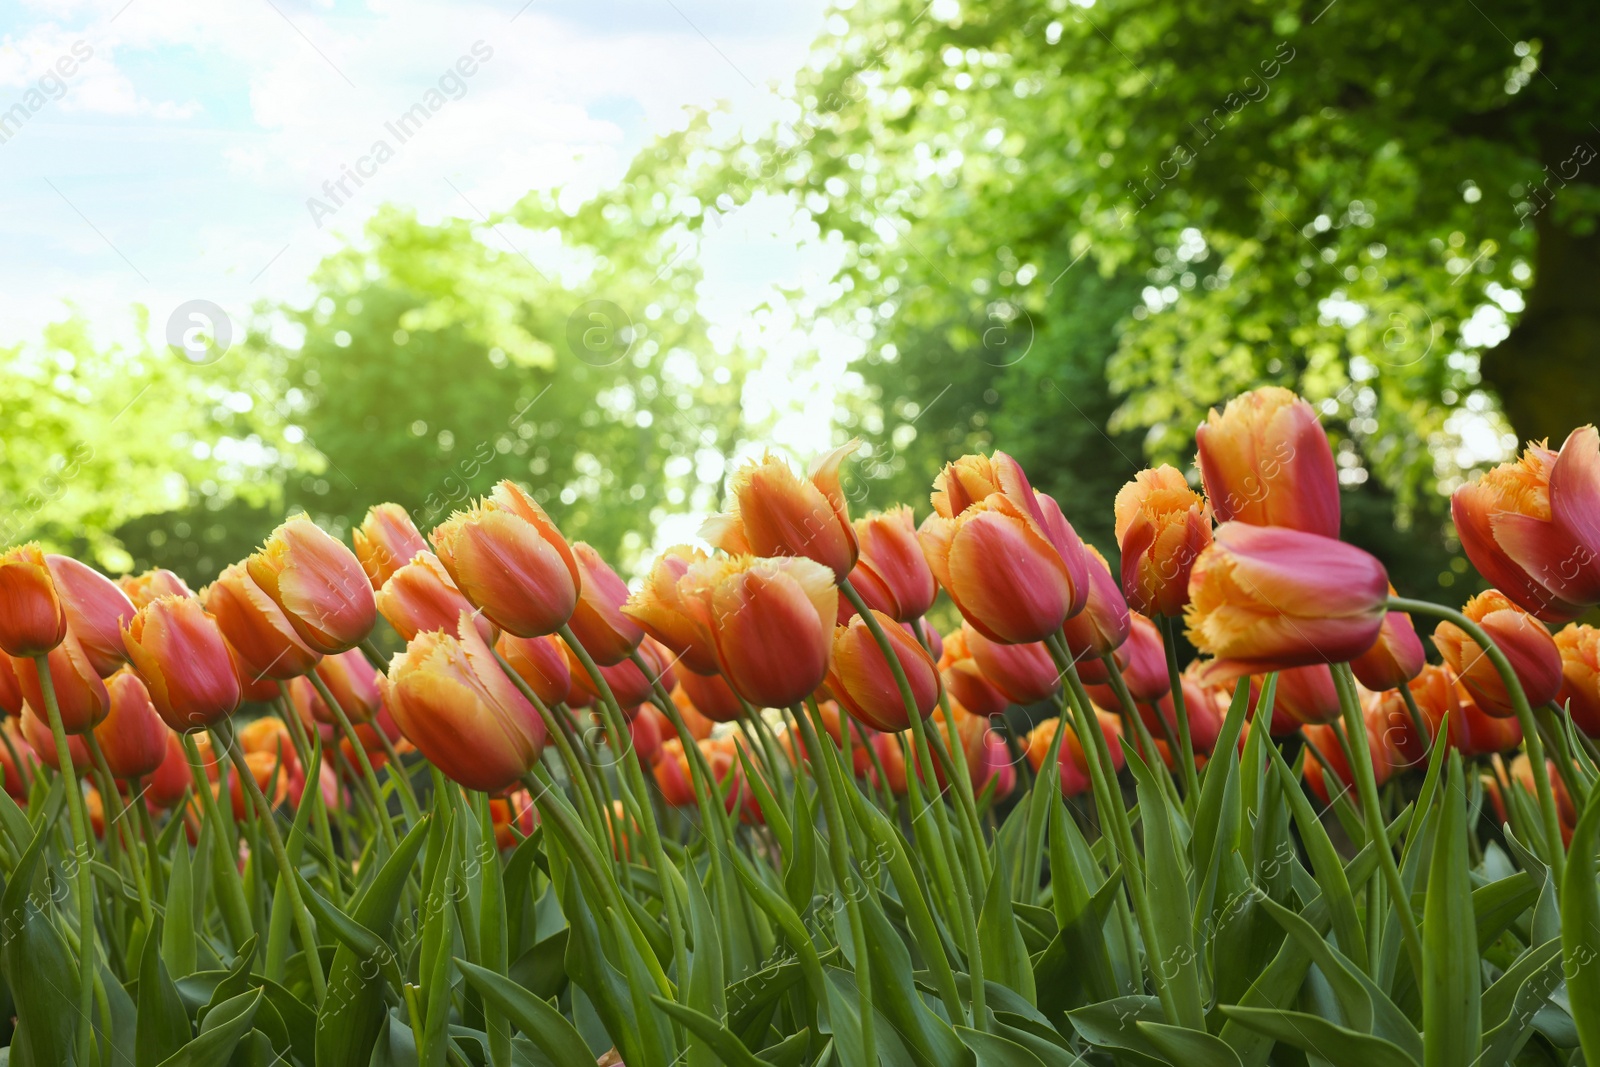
<point>353,683</point>
<point>1162,527</point>
<point>1520,772</point>
<point>508,558</point>
<point>629,685</point>
<point>1024,674</point>
<point>1102,625</point>
<point>39,738</point>
<point>96,611</point>
<point>1143,660</point>
<point>965,680</point>
<point>860,675</point>
<point>775,512</point>
<point>17,778</point>
<point>646,734</point>
<point>272,778</point>
<point>770,622</point>
<point>1532,526</point>
<point>1199,703</point>
<point>184,661</point>
<point>1016,570</point>
<point>33,619</point>
<point>266,645</point>
<point>673,775</point>
<point>132,736</point>
<point>1433,690</point>
<point>1395,658</point>
<point>833,724</point>
<point>1580,676</point>
<point>1074,762</point>
<point>421,595</point>
<point>974,478</point>
<point>698,724</point>
<point>454,703</point>
<point>994,762</point>
<point>1473,731</point>
<point>1534,657</point>
<point>385,541</point>
<point>541,662</point>
<point>159,582</point>
<point>711,696</point>
<point>80,694</point>
<point>1322,738</point>
<point>659,608</point>
<point>10,689</point>
<point>513,817</point>
<point>1307,696</point>
<point>1268,598</point>
<point>1265,461</point>
<point>969,734</point>
<point>598,622</point>
<point>317,583</point>
<point>891,573</point>
<point>169,781</point>
<point>266,734</point>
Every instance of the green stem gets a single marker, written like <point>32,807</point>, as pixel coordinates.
<point>1180,710</point>
<point>82,854</point>
<point>1147,744</point>
<point>121,809</point>
<point>1418,723</point>
<point>555,728</point>
<point>319,812</point>
<point>16,761</point>
<point>368,775</point>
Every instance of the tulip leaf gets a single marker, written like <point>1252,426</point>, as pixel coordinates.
<point>1502,902</point>
<point>1191,1048</point>
<point>1167,885</point>
<point>35,958</point>
<point>727,1048</point>
<point>542,1024</point>
<point>928,1038</point>
<point>1005,957</point>
<point>1580,928</point>
<point>178,932</point>
<point>1451,990</point>
<point>1113,1024</point>
<point>706,984</point>
<point>1516,997</point>
<point>220,1034</point>
<point>1082,973</point>
<point>800,863</point>
<point>540,969</point>
<point>1336,1044</point>
<point>995,1051</point>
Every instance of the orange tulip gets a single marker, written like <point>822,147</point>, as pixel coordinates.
<point>96,611</point>
<point>974,478</point>
<point>891,574</point>
<point>605,632</point>
<point>509,559</point>
<point>711,696</point>
<point>1534,657</point>
<point>513,817</point>
<point>1199,703</point>
<point>169,781</point>
<point>770,622</point>
<point>266,645</point>
<point>1532,526</point>
<point>318,584</point>
<point>1265,461</point>
<point>893,757</point>
<point>158,582</point>
<point>132,737</point>
<point>420,595</point>
<point>354,684</point>
<point>541,662</point>
<point>628,683</point>
<point>1024,674</point>
<point>454,703</point>
<point>646,734</point>
<point>1074,762</point>
<point>1268,598</point>
<point>385,541</point>
<point>266,734</point>
<point>775,512</point>
<point>969,734</point>
<point>659,608</point>
<point>272,778</point>
<point>698,724</point>
<point>10,688</point>
<point>833,724</point>
<point>32,618</point>
<point>1323,740</point>
<point>39,737</point>
<point>1162,527</point>
<point>1102,625</point>
<point>185,662</point>
<point>994,761</point>
<point>1580,675</point>
<point>1012,564</point>
<point>80,694</point>
<point>672,774</point>
<point>860,676</point>
<point>965,679</point>
<point>1521,773</point>
<point>1395,658</point>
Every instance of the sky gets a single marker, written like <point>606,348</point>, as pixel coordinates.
<point>156,152</point>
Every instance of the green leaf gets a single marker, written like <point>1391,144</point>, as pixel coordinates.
<point>220,1034</point>
<point>1451,991</point>
<point>928,1038</point>
<point>1580,929</point>
<point>38,965</point>
<point>1167,885</point>
<point>1500,903</point>
<point>800,864</point>
<point>1075,968</point>
<point>543,1024</point>
<point>728,1048</point>
<point>540,969</point>
<point>1510,1004</point>
<point>1338,1045</point>
<point>178,932</point>
<point>706,984</point>
<point>1190,1048</point>
<point>1005,957</point>
<point>995,1051</point>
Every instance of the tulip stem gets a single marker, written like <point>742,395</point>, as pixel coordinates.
<point>368,775</point>
<point>224,731</point>
<point>1530,729</point>
<point>83,852</point>
<point>1418,723</point>
<point>23,776</point>
<point>1555,740</point>
<point>128,829</point>
<point>1180,712</point>
<point>319,811</point>
<point>1141,732</point>
<point>1360,760</point>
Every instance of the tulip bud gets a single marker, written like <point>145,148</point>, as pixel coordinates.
<point>266,645</point>
<point>776,513</point>
<point>353,682</point>
<point>32,618</point>
<point>39,737</point>
<point>513,817</point>
<point>184,661</point>
<point>266,734</point>
<point>711,696</point>
<point>385,541</point>
<point>151,585</point>
<point>659,608</point>
<point>1074,763</point>
<point>1534,657</point>
<point>541,662</point>
<point>271,778</point>
<point>1580,676</point>
<point>1102,625</point>
<point>132,737</point>
<point>965,680</point>
<point>891,573</point>
<point>1307,696</point>
<point>422,596</point>
<point>1532,526</point>
<point>318,584</point>
<point>1395,658</point>
<point>508,558</point>
<point>96,611</point>
<point>860,676</point>
<point>994,762</point>
<point>1143,660</point>
<point>770,622</point>
<point>973,479</point>
<point>1162,527</point>
<point>1199,704</point>
<point>455,704</point>
<point>80,694</point>
<point>605,632</point>
<point>627,682</point>
<point>1270,598</point>
<point>1266,461</point>
<point>169,781</point>
<point>1025,674</point>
